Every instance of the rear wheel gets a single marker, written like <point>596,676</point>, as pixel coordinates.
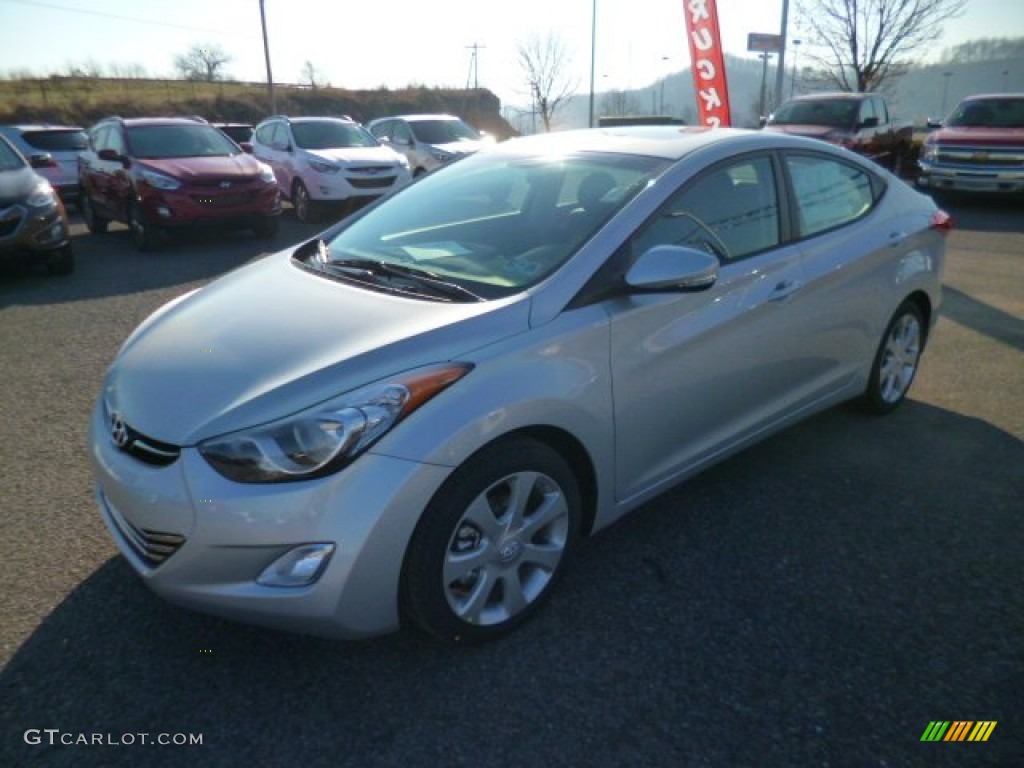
<point>492,543</point>
<point>94,223</point>
<point>897,359</point>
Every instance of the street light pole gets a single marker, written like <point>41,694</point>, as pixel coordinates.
<point>780,73</point>
<point>593,48</point>
<point>266,54</point>
<point>792,79</point>
<point>945,90</point>
<point>764,77</point>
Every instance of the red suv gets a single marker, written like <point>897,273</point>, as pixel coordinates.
<point>157,174</point>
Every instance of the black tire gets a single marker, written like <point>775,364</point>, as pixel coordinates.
<point>93,222</point>
<point>145,236</point>
<point>897,359</point>
<point>511,556</point>
<point>62,261</point>
<point>266,228</point>
<point>306,210</point>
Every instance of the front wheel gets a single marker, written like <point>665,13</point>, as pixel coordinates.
<point>145,236</point>
<point>492,543</point>
<point>94,223</point>
<point>305,208</point>
<point>896,360</point>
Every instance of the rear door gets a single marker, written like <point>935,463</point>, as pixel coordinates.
<point>695,373</point>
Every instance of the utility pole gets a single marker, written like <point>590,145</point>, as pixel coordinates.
<point>266,53</point>
<point>780,73</point>
<point>474,66</point>
<point>792,79</point>
<point>593,46</point>
<point>764,77</point>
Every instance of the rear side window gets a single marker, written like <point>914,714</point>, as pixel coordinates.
<point>828,193</point>
<point>57,141</point>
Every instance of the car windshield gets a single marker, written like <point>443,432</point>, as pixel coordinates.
<point>837,113</point>
<point>443,131</point>
<point>988,113</point>
<point>165,141</point>
<point>10,160</point>
<point>57,140</point>
<point>490,225</point>
<point>329,134</point>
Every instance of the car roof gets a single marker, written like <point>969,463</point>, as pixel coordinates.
<point>26,127</point>
<point>135,121</point>
<point>671,142</point>
<point>418,118</point>
<point>834,96</point>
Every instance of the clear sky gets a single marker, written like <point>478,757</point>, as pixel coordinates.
<point>400,42</point>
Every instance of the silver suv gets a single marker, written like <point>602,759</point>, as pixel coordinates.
<point>322,160</point>
<point>427,141</point>
<point>53,151</point>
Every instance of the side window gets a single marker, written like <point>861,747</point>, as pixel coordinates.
<point>881,110</point>
<point>867,110</point>
<point>98,137</point>
<point>401,133</point>
<point>115,141</point>
<point>383,130</point>
<point>732,212</point>
<point>829,192</point>
<point>264,134</point>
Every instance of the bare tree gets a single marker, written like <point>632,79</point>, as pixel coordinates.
<point>543,61</point>
<point>311,75</point>
<point>861,43</point>
<point>619,103</point>
<point>203,62</point>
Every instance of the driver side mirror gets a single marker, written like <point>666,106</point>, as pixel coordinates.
<point>112,156</point>
<point>673,268</point>
<point>869,122</point>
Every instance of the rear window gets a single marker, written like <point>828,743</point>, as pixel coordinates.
<point>50,140</point>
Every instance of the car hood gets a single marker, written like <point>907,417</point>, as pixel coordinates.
<point>814,131</point>
<point>356,155</point>
<point>272,339</point>
<point>979,136</point>
<point>460,147</point>
<point>240,166</point>
<point>16,185</point>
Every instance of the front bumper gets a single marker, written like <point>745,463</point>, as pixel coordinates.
<point>347,185</point>
<point>25,230</point>
<point>939,178</point>
<point>201,541</point>
<point>193,206</point>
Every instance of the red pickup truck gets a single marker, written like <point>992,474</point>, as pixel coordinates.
<point>857,121</point>
<point>980,148</point>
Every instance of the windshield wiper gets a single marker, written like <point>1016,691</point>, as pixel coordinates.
<point>422,277</point>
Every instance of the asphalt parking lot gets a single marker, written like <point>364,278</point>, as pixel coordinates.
<point>817,600</point>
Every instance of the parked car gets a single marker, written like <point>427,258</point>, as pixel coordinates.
<point>422,411</point>
<point>321,161</point>
<point>427,141</point>
<point>240,133</point>
<point>33,223</point>
<point>159,174</point>
<point>53,151</point>
<point>980,148</point>
<point>858,121</point>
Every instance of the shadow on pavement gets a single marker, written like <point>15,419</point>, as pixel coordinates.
<point>817,599</point>
<point>982,317</point>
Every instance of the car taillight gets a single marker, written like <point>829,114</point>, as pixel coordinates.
<point>942,222</point>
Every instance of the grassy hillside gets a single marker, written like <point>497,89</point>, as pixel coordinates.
<point>83,100</point>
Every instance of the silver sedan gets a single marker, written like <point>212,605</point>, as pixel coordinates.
<point>418,415</point>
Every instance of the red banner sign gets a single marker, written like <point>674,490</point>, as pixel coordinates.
<point>708,62</point>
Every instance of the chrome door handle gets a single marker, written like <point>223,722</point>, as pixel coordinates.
<point>784,289</point>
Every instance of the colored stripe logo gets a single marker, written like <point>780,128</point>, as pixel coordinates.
<point>958,730</point>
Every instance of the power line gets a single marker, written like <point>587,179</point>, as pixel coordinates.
<point>119,17</point>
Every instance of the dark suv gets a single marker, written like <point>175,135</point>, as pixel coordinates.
<point>33,223</point>
<point>157,174</point>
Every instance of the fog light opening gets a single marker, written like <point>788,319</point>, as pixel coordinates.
<point>299,567</point>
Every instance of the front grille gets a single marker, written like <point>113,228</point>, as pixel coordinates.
<point>129,440</point>
<point>981,157</point>
<point>378,183</point>
<point>154,547</point>
<point>10,220</point>
<point>224,201</point>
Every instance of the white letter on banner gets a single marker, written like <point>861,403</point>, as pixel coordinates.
<point>706,69</point>
<point>702,39</point>
<point>698,11</point>
<point>711,99</point>
<point>714,121</point>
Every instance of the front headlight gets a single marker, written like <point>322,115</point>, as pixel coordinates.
<point>441,156</point>
<point>267,173</point>
<point>320,166</point>
<point>328,437</point>
<point>42,196</point>
<point>159,181</point>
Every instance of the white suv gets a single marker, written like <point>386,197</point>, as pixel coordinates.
<point>427,141</point>
<point>322,160</point>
